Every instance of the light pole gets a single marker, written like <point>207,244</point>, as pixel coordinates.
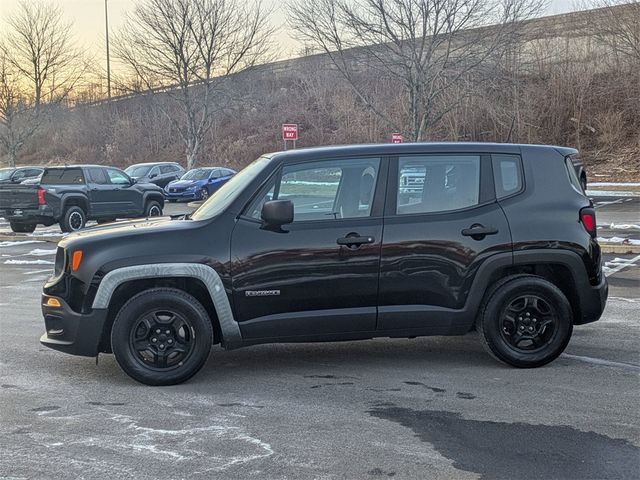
<point>106,26</point>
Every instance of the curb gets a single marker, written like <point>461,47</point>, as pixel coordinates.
<point>619,248</point>
<point>194,204</point>
<point>39,238</point>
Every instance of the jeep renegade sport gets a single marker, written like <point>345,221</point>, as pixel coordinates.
<point>341,243</point>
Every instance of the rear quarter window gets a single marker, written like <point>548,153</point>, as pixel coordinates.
<point>63,176</point>
<point>573,176</point>
<point>507,174</point>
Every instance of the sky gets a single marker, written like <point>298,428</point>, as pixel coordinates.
<point>88,21</point>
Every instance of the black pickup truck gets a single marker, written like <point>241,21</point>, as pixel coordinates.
<point>74,194</point>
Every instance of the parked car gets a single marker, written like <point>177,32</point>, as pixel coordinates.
<point>19,174</point>
<point>320,245</point>
<point>159,173</point>
<point>198,184</point>
<point>72,195</point>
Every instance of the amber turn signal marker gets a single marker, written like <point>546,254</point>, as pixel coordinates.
<point>53,302</point>
<point>75,260</point>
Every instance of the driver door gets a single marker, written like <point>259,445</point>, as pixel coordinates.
<point>319,275</point>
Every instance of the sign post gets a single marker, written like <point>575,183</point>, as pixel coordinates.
<point>396,138</point>
<point>289,132</point>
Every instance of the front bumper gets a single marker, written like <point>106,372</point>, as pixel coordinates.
<point>186,195</point>
<point>593,300</point>
<point>71,332</point>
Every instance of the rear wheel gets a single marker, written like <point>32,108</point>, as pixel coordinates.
<point>525,321</point>
<point>73,219</point>
<point>583,182</point>
<point>20,227</point>
<point>153,209</point>
<point>162,336</point>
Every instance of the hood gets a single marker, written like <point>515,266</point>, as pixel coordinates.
<point>124,228</point>
<point>184,183</point>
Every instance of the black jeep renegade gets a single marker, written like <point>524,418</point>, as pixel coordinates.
<point>342,243</point>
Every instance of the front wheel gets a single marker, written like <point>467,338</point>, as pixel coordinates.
<point>162,336</point>
<point>525,321</point>
<point>204,194</point>
<point>19,227</point>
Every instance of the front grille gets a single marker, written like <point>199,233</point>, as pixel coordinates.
<point>176,190</point>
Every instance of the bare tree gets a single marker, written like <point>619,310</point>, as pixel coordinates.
<point>40,47</point>
<point>185,49</point>
<point>18,120</point>
<point>428,46</point>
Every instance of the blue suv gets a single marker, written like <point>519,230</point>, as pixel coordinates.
<point>197,184</point>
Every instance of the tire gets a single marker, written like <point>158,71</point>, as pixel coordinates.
<point>204,194</point>
<point>19,227</point>
<point>538,309</point>
<point>153,209</point>
<point>73,219</point>
<point>144,361</point>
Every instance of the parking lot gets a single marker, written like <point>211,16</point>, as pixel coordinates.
<point>387,408</point>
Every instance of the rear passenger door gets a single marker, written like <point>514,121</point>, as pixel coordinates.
<point>441,221</point>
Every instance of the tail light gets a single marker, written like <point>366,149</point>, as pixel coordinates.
<point>588,219</point>
<point>41,200</point>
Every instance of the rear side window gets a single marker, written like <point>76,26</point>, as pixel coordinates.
<point>573,176</point>
<point>437,183</point>
<point>63,176</point>
<point>507,174</point>
<point>97,175</point>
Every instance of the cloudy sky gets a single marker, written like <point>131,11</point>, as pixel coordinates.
<point>88,20</point>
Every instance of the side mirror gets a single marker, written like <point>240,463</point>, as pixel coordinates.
<point>133,181</point>
<point>277,212</point>
<point>153,175</point>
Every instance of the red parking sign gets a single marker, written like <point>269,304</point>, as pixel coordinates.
<point>290,131</point>
<point>396,138</point>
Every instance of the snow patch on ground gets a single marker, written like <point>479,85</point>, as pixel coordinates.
<point>19,242</point>
<point>620,226</point>
<point>619,240</point>
<point>39,252</point>
<point>28,262</point>
<point>614,184</point>
<point>612,193</point>
<point>34,272</point>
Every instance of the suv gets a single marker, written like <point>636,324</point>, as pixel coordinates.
<point>19,174</point>
<point>159,173</point>
<point>72,195</point>
<point>321,245</point>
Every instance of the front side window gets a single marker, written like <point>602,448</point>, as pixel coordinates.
<point>326,190</point>
<point>117,178</point>
<point>437,183</point>
<point>167,169</point>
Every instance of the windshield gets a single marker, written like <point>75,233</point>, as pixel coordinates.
<point>223,197</point>
<point>5,173</point>
<point>140,171</point>
<point>197,174</point>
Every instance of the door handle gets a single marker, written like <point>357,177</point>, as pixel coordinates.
<point>354,240</point>
<point>478,232</point>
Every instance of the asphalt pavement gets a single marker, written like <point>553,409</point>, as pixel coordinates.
<point>427,408</point>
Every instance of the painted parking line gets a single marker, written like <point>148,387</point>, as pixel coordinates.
<point>599,361</point>
<point>622,265</point>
